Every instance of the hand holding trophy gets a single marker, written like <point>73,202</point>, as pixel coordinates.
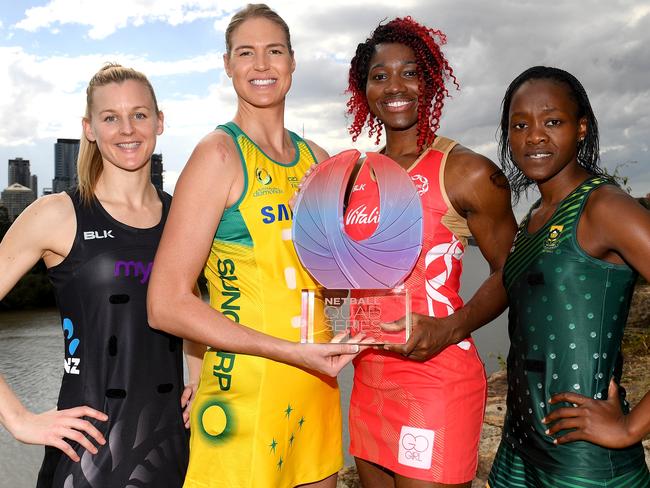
<point>360,279</point>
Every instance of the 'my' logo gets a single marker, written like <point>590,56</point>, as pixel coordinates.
<point>98,234</point>
<point>133,268</point>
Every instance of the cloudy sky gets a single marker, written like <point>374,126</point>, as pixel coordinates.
<point>50,49</point>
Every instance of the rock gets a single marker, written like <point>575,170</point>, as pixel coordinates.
<point>348,478</point>
<point>640,308</point>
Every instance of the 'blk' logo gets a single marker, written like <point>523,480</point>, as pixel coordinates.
<point>98,234</point>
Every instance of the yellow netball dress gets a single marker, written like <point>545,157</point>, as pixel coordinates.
<point>257,422</point>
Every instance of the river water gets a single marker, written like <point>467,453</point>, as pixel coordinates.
<point>31,360</point>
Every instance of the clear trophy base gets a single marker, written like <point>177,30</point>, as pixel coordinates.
<point>382,316</point>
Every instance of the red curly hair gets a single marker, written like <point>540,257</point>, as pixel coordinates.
<point>434,71</point>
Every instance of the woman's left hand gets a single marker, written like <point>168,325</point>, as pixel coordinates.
<point>601,422</point>
<point>189,392</point>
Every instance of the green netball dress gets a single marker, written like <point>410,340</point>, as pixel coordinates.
<point>566,320</point>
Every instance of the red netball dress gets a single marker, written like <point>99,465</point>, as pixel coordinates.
<point>420,419</point>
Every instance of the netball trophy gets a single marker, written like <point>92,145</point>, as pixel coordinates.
<point>361,288</point>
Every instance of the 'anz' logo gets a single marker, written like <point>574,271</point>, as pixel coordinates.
<point>98,234</point>
<point>71,364</point>
<point>133,268</point>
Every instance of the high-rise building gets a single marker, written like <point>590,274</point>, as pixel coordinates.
<point>34,185</point>
<point>157,171</point>
<point>66,152</point>
<point>19,172</point>
<point>15,198</point>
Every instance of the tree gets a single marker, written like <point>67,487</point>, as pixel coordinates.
<point>622,181</point>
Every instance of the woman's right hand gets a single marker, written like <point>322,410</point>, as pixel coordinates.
<point>53,427</point>
<point>328,359</point>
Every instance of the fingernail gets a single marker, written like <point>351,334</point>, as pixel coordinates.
<point>544,420</point>
<point>547,432</point>
<point>355,348</point>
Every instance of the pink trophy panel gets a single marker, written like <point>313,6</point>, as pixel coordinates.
<point>336,260</point>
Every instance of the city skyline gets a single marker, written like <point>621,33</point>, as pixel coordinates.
<point>50,49</point>
<point>65,172</point>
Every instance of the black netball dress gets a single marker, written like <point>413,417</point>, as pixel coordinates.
<point>114,362</point>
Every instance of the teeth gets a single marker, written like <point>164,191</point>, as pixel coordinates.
<point>540,155</point>
<point>129,145</point>
<point>398,103</point>
<point>268,81</point>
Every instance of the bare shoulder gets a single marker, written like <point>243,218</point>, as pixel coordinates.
<point>468,164</point>
<point>616,227</point>
<point>319,153</point>
<point>473,182</point>
<point>213,174</point>
<point>214,161</point>
<point>217,146</point>
<point>48,224</point>
<point>49,211</point>
<point>608,203</point>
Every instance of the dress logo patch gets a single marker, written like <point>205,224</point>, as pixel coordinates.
<point>361,215</point>
<point>421,183</point>
<point>263,176</point>
<point>98,234</point>
<point>553,238</point>
<point>415,447</point>
<point>264,179</point>
<point>71,363</point>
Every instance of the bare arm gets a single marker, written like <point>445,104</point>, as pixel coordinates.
<point>44,230</point>
<point>49,428</point>
<point>211,181</point>
<point>603,234</point>
<point>485,199</point>
<point>477,190</point>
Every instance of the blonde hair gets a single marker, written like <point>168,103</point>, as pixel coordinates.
<point>90,162</point>
<point>253,10</point>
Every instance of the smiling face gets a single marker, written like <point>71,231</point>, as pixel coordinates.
<point>124,124</point>
<point>393,87</point>
<point>544,129</point>
<point>260,62</point>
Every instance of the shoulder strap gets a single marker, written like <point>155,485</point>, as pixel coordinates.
<point>231,129</point>
<point>443,144</point>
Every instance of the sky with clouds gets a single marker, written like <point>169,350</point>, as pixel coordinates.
<point>50,49</point>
